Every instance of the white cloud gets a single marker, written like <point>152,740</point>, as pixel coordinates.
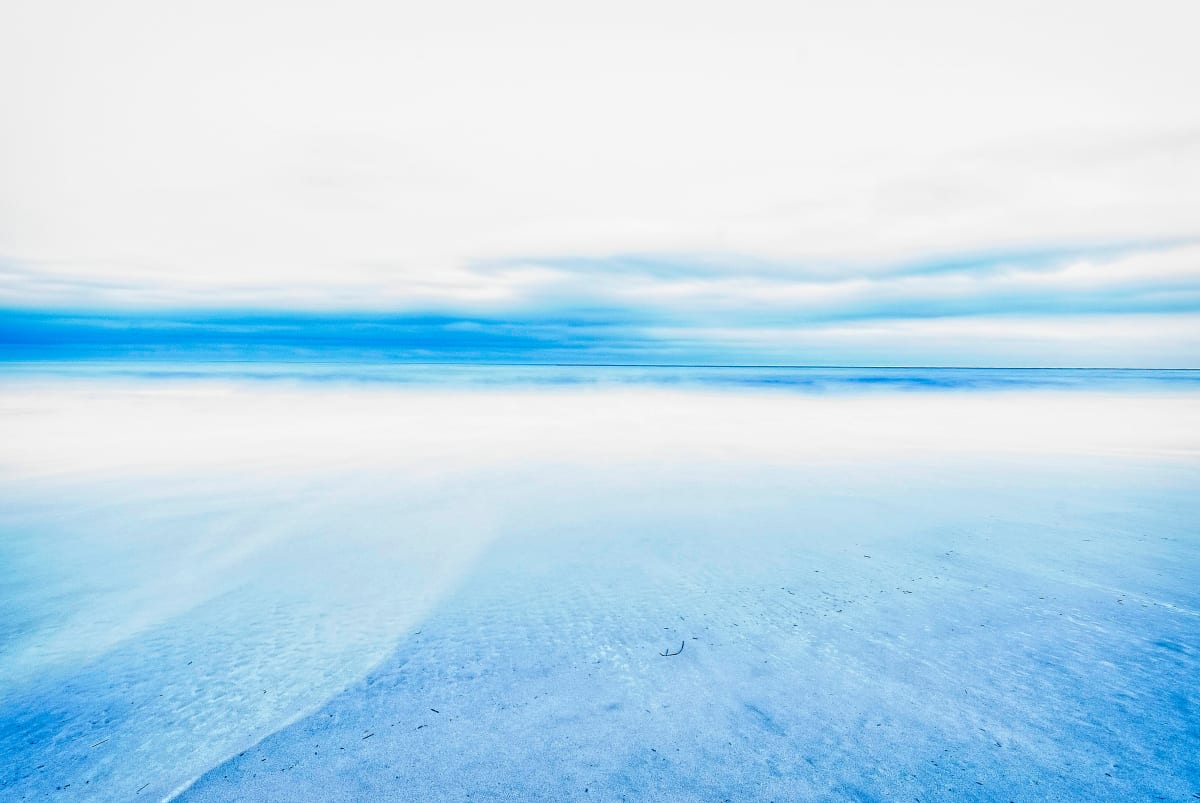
<point>1163,341</point>
<point>379,155</point>
<point>277,143</point>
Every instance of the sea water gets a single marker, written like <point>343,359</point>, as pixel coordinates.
<point>340,581</point>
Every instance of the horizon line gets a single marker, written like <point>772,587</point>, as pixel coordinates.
<point>509,364</point>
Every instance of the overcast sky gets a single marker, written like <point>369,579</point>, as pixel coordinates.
<point>934,182</point>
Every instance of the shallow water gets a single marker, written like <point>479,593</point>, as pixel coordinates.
<point>223,586</point>
<point>795,378</point>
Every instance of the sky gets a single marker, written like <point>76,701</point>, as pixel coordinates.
<point>875,183</point>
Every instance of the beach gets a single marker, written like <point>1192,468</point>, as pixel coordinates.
<point>222,588</point>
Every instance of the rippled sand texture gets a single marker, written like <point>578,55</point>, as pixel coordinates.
<point>879,638</point>
<point>475,602</point>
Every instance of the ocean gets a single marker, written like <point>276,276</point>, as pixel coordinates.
<point>349,581</point>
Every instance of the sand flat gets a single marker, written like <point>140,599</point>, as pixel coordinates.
<point>226,590</point>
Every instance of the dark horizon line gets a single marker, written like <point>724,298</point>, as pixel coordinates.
<point>504,364</point>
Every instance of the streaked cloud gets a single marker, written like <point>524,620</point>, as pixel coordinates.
<point>652,168</point>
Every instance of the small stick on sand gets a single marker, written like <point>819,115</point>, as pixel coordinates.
<point>102,741</point>
<point>669,653</point>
